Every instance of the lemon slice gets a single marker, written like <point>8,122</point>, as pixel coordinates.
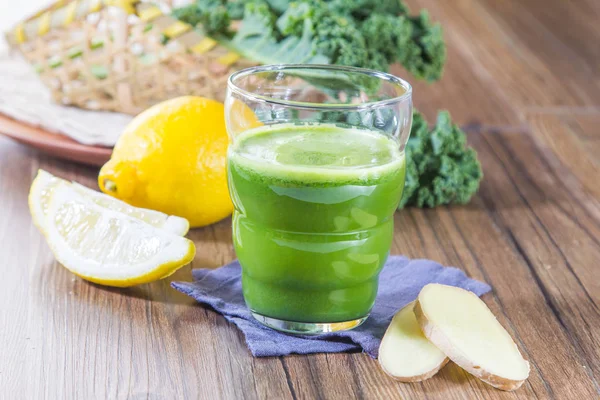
<point>39,195</point>
<point>108,247</point>
<point>44,184</point>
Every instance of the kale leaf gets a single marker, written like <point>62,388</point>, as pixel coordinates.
<point>212,15</point>
<point>362,33</point>
<point>258,39</point>
<point>440,167</point>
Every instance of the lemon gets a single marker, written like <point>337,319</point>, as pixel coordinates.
<point>172,158</point>
<point>107,246</point>
<point>43,186</point>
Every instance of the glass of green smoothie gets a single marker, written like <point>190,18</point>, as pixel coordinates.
<point>316,171</point>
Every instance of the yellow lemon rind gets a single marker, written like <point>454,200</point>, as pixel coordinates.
<point>162,272</point>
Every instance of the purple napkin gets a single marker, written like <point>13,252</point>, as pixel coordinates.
<point>399,283</point>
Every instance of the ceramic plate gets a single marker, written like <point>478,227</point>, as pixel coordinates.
<point>54,144</point>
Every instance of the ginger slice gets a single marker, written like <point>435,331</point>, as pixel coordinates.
<point>405,354</point>
<point>461,325</point>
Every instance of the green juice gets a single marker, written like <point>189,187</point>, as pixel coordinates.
<point>313,219</point>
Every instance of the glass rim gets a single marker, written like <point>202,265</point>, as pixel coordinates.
<point>384,76</point>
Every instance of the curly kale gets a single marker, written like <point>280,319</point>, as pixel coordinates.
<point>440,167</point>
<point>236,8</point>
<point>212,15</point>
<point>337,38</point>
<point>414,42</point>
<point>292,21</point>
<point>362,9</point>
<point>362,33</point>
<point>189,14</point>
<point>387,35</point>
<point>279,6</point>
<point>259,39</point>
<point>426,57</point>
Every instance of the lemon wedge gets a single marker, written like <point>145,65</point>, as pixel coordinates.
<point>43,187</point>
<point>107,246</point>
<point>39,195</point>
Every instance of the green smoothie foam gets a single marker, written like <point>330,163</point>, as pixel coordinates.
<point>313,222</point>
<point>321,154</point>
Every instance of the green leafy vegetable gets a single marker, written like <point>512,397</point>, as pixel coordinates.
<point>440,167</point>
<point>257,39</point>
<point>426,58</point>
<point>213,15</point>
<point>236,8</point>
<point>339,39</point>
<point>362,9</point>
<point>362,33</point>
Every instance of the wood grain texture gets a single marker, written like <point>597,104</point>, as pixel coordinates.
<point>523,79</point>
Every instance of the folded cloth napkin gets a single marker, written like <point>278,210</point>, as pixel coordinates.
<point>399,283</point>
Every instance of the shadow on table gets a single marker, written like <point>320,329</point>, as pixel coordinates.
<point>454,375</point>
<point>61,281</point>
<point>159,291</point>
<point>218,233</point>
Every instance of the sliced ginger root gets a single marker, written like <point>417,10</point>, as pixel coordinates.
<point>405,354</point>
<point>461,325</point>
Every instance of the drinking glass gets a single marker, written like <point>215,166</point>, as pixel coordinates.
<point>315,171</point>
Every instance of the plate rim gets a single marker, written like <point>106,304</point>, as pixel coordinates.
<point>55,144</point>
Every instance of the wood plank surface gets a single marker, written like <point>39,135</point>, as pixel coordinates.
<point>523,78</point>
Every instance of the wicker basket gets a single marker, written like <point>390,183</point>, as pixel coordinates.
<point>121,55</point>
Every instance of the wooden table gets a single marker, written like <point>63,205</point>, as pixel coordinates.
<point>523,78</point>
